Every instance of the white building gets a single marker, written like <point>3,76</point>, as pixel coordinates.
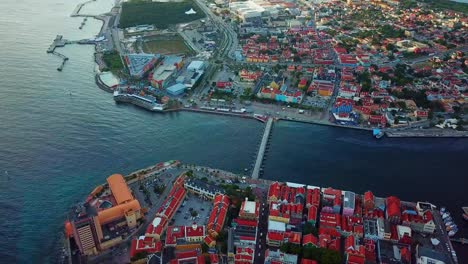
<point>196,66</point>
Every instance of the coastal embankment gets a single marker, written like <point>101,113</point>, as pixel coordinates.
<point>427,133</point>
<point>391,133</point>
<point>101,84</point>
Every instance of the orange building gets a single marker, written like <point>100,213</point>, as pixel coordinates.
<point>94,224</point>
<point>126,206</point>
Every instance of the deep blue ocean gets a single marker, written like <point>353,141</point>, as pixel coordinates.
<point>55,147</point>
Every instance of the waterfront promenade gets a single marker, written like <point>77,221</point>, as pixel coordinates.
<point>261,151</point>
<point>168,171</point>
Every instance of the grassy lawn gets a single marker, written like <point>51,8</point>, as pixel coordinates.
<point>113,61</point>
<point>160,14</point>
<point>166,46</point>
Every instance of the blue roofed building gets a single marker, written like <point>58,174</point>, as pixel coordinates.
<point>176,89</point>
<point>139,64</point>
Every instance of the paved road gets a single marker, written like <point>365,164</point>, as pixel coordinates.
<point>230,41</point>
<point>262,230</point>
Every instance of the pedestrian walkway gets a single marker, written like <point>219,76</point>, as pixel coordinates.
<point>261,151</point>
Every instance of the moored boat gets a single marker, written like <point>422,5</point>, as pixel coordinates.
<point>261,118</point>
<point>377,133</point>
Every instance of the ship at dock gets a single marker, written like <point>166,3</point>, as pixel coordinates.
<point>145,101</point>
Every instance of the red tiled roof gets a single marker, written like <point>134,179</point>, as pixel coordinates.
<point>293,237</point>
<point>312,214</point>
<point>393,206</point>
<point>145,244</point>
<point>208,240</point>
<point>275,236</point>
<point>247,238</point>
<point>309,239</point>
<point>355,259</point>
<point>173,233</point>
<point>245,222</point>
<point>330,220</point>
<point>194,231</point>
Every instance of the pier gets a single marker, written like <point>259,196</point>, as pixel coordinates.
<point>76,11</point>
<point>59,41</point>
<point>261,151</point>
<point>64,60</point>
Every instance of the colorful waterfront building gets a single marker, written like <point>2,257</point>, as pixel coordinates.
<point>393,209</point>
<point>249,210</point>
<point>89,224</point>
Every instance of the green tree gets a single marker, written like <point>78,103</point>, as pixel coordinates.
<point>312,253</point>
<point>139,255</point>
<point>309,228</point>
<point>205,248</point>
<point>331,257</point>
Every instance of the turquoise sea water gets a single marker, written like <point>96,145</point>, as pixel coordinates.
<point>54,148</point>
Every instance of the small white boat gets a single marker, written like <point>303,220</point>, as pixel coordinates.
<point>449,223</point>
<point>451,233</point>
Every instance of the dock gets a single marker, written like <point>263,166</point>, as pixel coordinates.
<point>323,123</point>
<point>59,41</point>
<point>261,151</point>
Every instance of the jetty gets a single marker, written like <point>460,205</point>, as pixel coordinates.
<point>59,41</point>
<point>261,151</point>
<point>76,11</point>
<point>64,60</point>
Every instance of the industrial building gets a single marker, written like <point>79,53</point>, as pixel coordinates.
<point>168,67</point>
<point>196,66</point>
<point>248,11</point>
<point>193,73</point>
<point>176,89</point>
<point>252,11</point>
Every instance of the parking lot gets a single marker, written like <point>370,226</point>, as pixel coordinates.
<point>316,101</point>
<point>192,203</point>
